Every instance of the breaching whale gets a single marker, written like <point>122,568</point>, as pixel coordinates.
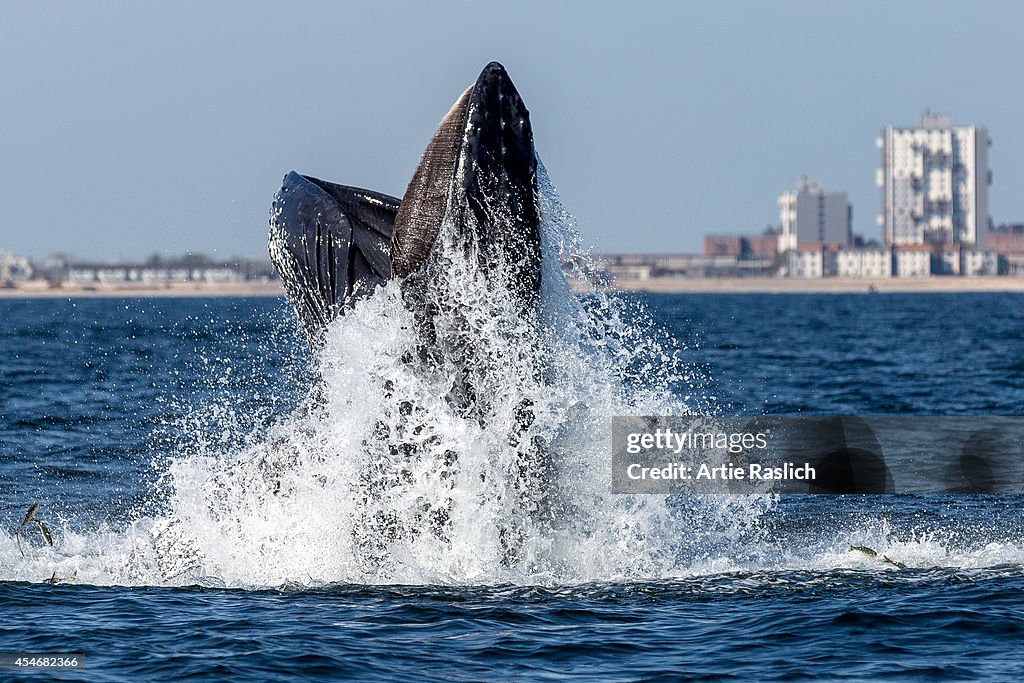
<point>333,244</point>
<point>476,190</point>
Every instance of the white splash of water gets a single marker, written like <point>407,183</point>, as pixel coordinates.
<point>489,463</point>
<point>392,476</point>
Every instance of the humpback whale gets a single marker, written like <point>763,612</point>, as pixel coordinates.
<point>333,244</point>
<point>470,213</point>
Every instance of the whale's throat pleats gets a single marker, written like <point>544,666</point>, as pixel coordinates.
<point>478,175</point>
<point>426,199</point>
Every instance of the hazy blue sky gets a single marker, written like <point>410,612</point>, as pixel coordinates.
<point>130,127</point>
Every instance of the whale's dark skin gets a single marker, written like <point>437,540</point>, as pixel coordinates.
<point>330,244</point>
<point>334,244</point>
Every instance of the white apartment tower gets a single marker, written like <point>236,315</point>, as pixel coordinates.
<point>810,215</point>
<point>934,181</point>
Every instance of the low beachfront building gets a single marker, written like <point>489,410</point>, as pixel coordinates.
<point>976,263</point>
<point>630,273</point>
<point>91,273</point>
<point>723,245</point>
<point>640,268</point>
<point>1007,239</point>
<point>868,263</point>
<point>811,261</point>
<point>13,268</point>
<point>913,262</point>
<point>759,247</point>
<point>804,264</point>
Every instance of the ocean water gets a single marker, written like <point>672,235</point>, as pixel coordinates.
<point>219,530</point>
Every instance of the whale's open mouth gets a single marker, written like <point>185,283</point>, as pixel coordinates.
<point>333,244</point>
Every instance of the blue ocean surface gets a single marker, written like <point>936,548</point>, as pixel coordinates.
<point>207,522</point>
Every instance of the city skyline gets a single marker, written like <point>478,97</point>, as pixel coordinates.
<point>140,129</point>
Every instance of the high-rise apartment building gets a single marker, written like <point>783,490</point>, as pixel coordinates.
<point>934,181</point>
<point>810,215</point>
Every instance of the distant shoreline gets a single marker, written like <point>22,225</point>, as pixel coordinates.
<point>744,285</point>
<point>829,285</point>
<point>33,290</point>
